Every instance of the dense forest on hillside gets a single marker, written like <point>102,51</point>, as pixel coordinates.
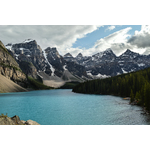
<point>135,85</point>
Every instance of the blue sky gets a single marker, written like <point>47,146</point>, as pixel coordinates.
<point>85,39</point>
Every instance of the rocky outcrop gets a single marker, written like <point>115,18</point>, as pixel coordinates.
<point>15,120</point>
<point>31,122</point>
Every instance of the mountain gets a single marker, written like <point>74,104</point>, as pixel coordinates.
<point>69,58</point>
<point>105,64</point>
<point>25,52</point>
<point>47,64</point>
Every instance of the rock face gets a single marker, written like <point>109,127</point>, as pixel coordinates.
<point>28,68</point>
<point>55,61</point>
<point>69,57</point>
<point>15,120</point>
<point>28,53</point>
<point>10,68</point>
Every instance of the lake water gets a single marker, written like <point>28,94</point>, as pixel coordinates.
<point>63,107</point>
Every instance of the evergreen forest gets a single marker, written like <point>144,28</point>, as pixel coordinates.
<point>135,85</point>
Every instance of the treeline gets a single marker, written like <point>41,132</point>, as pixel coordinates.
<point>135,85</point>
<point>69,85</point>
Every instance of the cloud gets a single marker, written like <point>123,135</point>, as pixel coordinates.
<point>61,36</point>
<point>117,41</point>
<point>110,28</point>
<point>141,38</point>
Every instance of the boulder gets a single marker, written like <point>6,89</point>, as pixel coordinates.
<point>31,122</point>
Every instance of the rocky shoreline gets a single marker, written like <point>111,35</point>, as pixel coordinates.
<point>15,120</point>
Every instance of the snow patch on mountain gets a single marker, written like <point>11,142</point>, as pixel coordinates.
<point>39,75</point>
<point>89,74</point>
<point>97,76</point>
<point>102,76</point>
<point>64,67</point>
<point>141,64</point>
<point>51,67</point>
<point>123,70</point>
<point>9,46</point>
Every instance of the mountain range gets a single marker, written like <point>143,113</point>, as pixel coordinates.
<point>55,70</point>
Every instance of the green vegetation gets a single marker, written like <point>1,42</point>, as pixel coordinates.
<point>37,85</point>
<point>69,85</point>
<point>135,85</point>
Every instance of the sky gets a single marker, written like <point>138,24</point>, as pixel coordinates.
<point>85,39</point>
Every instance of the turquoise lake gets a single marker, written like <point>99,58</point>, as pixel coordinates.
<point>63,107</point>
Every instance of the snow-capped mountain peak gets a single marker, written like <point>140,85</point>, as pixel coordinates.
<point>129,53</point>
<point>68,55</point>
<point>27,41</point>
<point>108,50</point>
<point>79,55</point>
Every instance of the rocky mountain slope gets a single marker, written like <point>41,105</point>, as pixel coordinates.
<point>10,68</point>
<point>106,63</point>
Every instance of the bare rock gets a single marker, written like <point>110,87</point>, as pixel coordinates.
<point>31,122</point>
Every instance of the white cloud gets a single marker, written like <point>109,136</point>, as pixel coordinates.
<point>141,38</point>
<point>61,36</point>
<point>110,28</point>
<point>116,41</point>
